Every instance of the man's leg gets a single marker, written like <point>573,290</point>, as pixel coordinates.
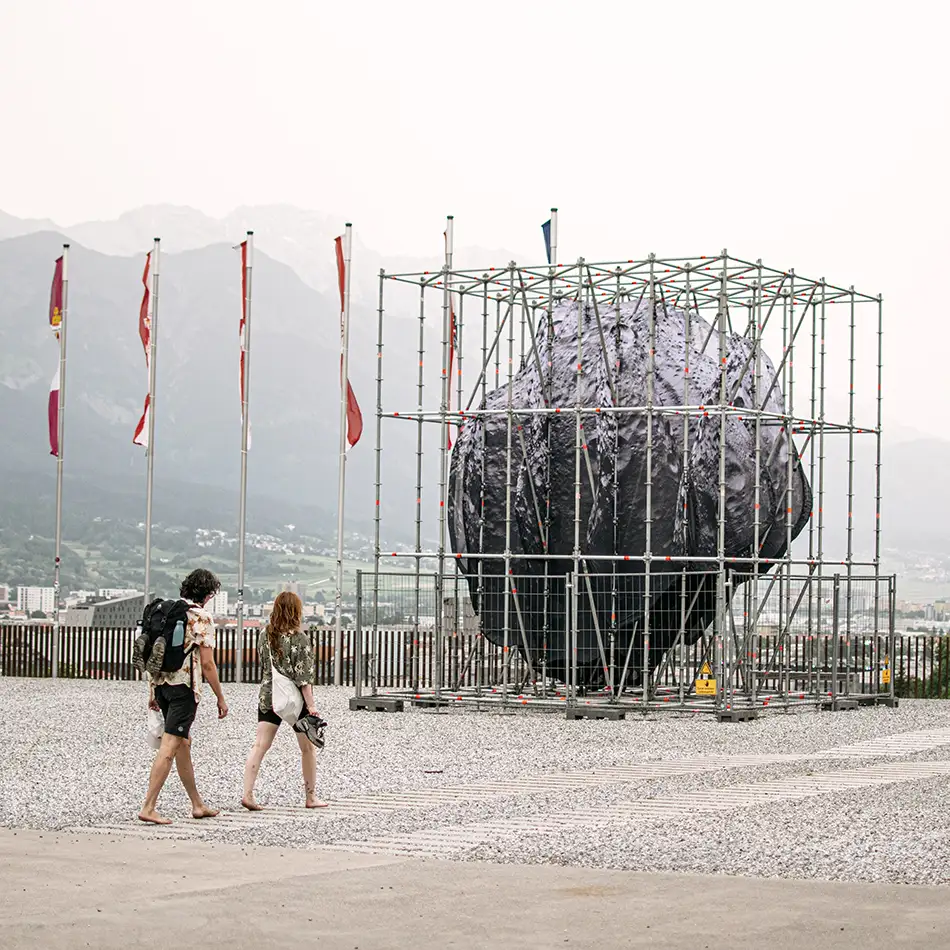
<point>186,772</point>
<point>160,769</point>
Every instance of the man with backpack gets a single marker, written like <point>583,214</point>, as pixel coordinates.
<point>176,650</point>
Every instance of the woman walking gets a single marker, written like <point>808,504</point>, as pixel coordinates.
<point>284,644</point>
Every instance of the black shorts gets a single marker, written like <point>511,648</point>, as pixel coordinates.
<point>272,717</point>
<point>179,707</point>
<point>269,716</point>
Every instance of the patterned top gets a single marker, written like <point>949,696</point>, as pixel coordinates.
<point>295,662</point>
<point>199,631</point>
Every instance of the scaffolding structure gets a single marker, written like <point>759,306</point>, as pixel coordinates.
<point>594,655</point>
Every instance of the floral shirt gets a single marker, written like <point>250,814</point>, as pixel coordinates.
<point>200,632</point>
<point>295,662</point>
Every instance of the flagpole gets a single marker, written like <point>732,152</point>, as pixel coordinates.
<point>60,430</point>
<point>245,433</point>
<point>150,451</point>
<point>341,478</point>
<point>554,237</point>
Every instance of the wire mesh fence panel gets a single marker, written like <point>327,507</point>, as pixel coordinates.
<point>643,636</point>
<point>492,635</point>
<point>396,616</point>
<point>865,607</point>
<point>813,636</point>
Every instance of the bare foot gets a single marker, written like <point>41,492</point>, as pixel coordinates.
<point>251,805</point>
<point>204,812</point>
<point>315,803</point>
<point>153,818</point>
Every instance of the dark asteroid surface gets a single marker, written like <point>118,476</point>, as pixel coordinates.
<point>530,508</point>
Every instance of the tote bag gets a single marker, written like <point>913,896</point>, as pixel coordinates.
<point>154,727</point>
<point>286,698</point>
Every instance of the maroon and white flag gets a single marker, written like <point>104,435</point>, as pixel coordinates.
<point>445,234</point>
<point>55,321</point>
<point>145,334</point>
<point>242,332</point>
<point>354,418</point>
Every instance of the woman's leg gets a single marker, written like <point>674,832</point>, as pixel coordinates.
<point>262,742</point>
<point>308,760</point>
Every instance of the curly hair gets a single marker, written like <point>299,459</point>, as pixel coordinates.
<point>284,618</point>
<point>199,585</point>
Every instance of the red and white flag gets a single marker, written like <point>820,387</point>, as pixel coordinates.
<point>242,331</point>
<point>354,418</point>
<point>451,361</point>
<point>445,234</point>
<point>55,321</point>
<point>145,334</point>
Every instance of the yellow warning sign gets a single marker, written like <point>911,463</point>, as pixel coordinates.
<point>706,687</point>
<point>705,684</point>
<point>886,676</point>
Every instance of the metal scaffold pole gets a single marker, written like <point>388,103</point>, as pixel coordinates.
<point>414,648</point>
<point>578,443</point>
<point>889,653</point>
<point>378,483</point>
<point>648,485</point>
<point>445,397</point>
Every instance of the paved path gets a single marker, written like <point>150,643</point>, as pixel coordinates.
<point>68,890</point>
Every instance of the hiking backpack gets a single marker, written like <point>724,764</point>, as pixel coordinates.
<point>160,644</point>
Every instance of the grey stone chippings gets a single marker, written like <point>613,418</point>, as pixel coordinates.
<point>77,756</point>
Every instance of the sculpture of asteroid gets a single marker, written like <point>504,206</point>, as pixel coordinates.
<point>542,474</point>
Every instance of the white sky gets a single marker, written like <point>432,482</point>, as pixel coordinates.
<point>811,135</point>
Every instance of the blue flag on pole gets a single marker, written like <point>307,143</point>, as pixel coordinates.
<point>546,231</point>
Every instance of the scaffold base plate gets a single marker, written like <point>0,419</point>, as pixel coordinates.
<point>595,712</point>
<point>430,702</point>
<point>890,701</point>
<point>840,705</point>
<point>376,704</point>
<point>737,715</point>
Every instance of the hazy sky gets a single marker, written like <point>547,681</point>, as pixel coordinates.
<point>811,135</point>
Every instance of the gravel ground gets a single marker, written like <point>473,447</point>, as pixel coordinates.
<point>898,834</point>
<point>77,755</point>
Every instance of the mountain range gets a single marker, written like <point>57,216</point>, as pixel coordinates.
<point>294,377</point>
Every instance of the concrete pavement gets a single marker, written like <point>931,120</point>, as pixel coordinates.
<point>84,890</point>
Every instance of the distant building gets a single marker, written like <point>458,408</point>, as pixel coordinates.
<point>29,599</point>
<point>79,596</point>
<point>120,612</point>
<point>4,594</point>
<point>295,587</point>
<point>114,593</point>
<point>219,604</point>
